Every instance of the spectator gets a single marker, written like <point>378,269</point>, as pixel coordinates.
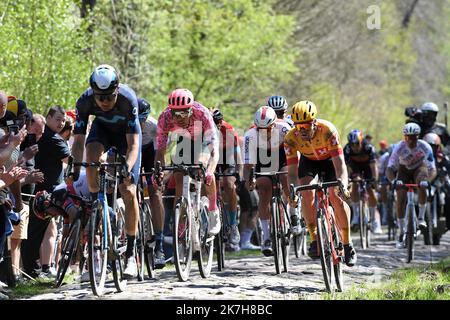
<point>53,151</point>
<point>383,147</point>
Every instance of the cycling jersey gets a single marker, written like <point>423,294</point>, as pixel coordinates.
<point>149,128</point>
<point>325,143</point>
<point>123,117</point>
<point>366,155</point>
<point>229,143</point>
<point>201,127</point>
<point>262,152</point>
<point>80,186</point>
<point>412,158</point>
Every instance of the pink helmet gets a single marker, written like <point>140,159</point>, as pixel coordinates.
<point>181,99</point>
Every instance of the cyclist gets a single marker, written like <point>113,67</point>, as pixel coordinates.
<point>413,160</point>
<point>385,185</point>
<point>229,162</point>
<point>280,105</point>
<point>384,146</point>
<point>428,124</point>
<point>317,141</point>
<point>149,128</point>
<point>360,157</point>
<point>263,150</point>
<point>197,143</point>
<point>116,124</point>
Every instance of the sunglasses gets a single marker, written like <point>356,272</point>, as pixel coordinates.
<point>105,97</point>
<point>411,137</point>
<point>304,125</point>
<point>181,113</point>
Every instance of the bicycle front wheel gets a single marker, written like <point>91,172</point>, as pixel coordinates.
<point>285,237</point>
<point>362,225</point>
<point>205,256</point>
<point>182,239</point>
<point>339,249</point>
<point>221,238</point>
<point>410,232</point>
<point>149,240</point>
<point>276,241</point>
<point>69,247</point>
<point>98,249</point>
<point>324,250</point>
<point>119,248</point>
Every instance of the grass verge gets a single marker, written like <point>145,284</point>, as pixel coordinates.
<point>417,283</point>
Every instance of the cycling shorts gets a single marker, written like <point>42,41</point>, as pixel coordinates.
<point>311,168</point>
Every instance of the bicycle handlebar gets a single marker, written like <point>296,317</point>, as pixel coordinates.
<point>317,186</point>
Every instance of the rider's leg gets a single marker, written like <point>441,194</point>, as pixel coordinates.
<point>342,211</point>
<point>230,197</point>
<point>374,216</point>
<point>264,188</point>
<point>94,150</point>
<point>308,209</point>
<point>354,195</point>
<point>384,203</point>
<point>421,174</point>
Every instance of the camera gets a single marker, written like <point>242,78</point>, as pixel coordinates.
<point>414,113</point>
<point>12,126</point>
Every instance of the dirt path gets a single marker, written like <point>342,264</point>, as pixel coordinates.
<point>254,277</point>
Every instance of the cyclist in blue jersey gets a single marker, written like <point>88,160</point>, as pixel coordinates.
<point>115,107</point>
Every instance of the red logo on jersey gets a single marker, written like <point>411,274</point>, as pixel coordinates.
<point>321,151</point>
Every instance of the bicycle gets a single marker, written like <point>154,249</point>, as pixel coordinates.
<point>300,240</point>
<point>280,221</point>
<point>73,239</point>
<point>435,215</point>
<point>331,249</point>
<point>391,215</point>
<point>190,223</point>
<point>106,231</point>
<point>145,247</point>
<point>411,219</point>
<point>223,237</point>
<point>364,223</point>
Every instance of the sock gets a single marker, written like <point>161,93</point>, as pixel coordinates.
<point>94,196</point>
<point>312,228</point>
<point>372,213</point>
<point>159,237</point>
<point>401,225</point>
<point>45,268</point>
<point>233,217</point>
<point>265,229</point>
<point>355,207</point>
<point>422,210</point>
<point>131,241</point>
<point>246,235</point>
<point>384,211</point>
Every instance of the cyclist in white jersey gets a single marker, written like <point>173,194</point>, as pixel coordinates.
<point>413,160</point>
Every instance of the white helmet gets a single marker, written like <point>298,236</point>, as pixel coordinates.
<point>432,139</point>
<point>411,129</point>
<point>264,117</point>
<point>429,106</point>
<point>104,79</point>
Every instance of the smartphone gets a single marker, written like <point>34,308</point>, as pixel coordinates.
<point>13,128</point>
<point>30,139</point>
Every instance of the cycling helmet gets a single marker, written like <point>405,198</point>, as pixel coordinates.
<point>411,129</point>
<point>181,99</point>
<point>432,138</point>
<point>217,116</point>
<point>264,117</point>
<point>355,136</point>
<point>277,103</point>
<point>41,203</point>
<point>304,111</point>
<point>383,144</point>
<point>429,107</point>
<point>104,79</point>
<point>144,109</point>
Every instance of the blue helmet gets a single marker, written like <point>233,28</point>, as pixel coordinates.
<point>355,136</point>
<point>144,109</point>
<point>277,103</point>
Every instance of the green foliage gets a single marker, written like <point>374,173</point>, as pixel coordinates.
<point>41,45</point>
<point>229,53</point>
<point>419,283</point>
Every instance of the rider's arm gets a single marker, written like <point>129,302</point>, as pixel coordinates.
<point>390,173</point>
<point>340,169</point>
<point>132,149</point>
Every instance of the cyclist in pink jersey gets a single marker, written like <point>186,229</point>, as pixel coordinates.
<point>196,142</point>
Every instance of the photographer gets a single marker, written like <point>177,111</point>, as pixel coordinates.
<point>426,117</point>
